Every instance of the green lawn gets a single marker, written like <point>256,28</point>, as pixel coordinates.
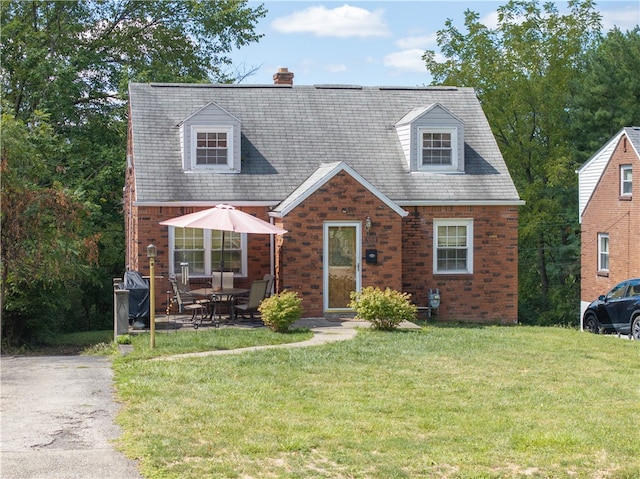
<point>442,402</point>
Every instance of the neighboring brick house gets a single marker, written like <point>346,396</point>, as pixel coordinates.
<point>609,208</point>
<point>392,187</point>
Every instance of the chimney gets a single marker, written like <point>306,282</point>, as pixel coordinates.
<point>283,77</point>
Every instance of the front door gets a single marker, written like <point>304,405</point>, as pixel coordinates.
<point>342,271</point>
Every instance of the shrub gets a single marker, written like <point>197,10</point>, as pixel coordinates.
<point>384,309</point>
<point>281,310</point>
<point>123,339</point>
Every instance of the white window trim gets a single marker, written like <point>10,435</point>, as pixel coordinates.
<point>208,268</point>
<point>195,129</point>
<point>454,149</point>
<point>468,222</point>
<point>602,236</point>
<point>624,168</point>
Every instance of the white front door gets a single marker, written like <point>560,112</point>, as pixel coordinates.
<point>342,263</point>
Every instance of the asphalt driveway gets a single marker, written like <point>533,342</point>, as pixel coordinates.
<point>57,417</point>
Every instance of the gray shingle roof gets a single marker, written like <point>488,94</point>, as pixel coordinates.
<point>633,133</point>
<point>288,132</point>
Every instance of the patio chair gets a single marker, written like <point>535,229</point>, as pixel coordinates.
<point>227,283</point>
<point>187,302</point>
<point>227,279</point>
<point>249,305</point>
<point>270,278</point>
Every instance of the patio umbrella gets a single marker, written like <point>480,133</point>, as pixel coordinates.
<point>224,218</point>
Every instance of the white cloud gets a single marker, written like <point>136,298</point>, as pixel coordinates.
<point>624,18</point>
<point>490,20</point>
<point>422,41</point>
<point>406,60</point>
<point>342,22</point>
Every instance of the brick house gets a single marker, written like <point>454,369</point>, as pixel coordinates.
<point>391,187</point>
<point>609,209</point>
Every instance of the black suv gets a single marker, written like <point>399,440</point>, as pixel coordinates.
<point>617,311</point>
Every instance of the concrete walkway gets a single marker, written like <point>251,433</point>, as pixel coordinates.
<point>324,331</point>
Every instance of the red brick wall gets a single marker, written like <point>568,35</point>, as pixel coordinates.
<point>151,231</point>
<point>490,294</point>
<point>608,212</point>
<point>300,260</point>
<point>405,249</point>
<point>405,253</point>
<point>130,212</point>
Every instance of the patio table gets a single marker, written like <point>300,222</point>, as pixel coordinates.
<point>227,295</point>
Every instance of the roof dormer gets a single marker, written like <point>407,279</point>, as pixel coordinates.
<point>210,141</point>
<point>432,139</point>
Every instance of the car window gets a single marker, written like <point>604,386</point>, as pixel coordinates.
<point>617,292</point>
<point>634,290</point>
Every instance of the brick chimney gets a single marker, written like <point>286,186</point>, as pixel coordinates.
<point>283,77</point>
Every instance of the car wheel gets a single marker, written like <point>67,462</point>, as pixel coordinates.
<point>635,328</point>
<point>591,324</point>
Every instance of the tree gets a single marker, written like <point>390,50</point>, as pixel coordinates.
<point>67,65</point>
<point>606,97</point>
<point>71,58</point>
<point>42,248</point>
<point>522,71</point>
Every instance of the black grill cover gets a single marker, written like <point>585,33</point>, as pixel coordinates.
<point>138,296</point>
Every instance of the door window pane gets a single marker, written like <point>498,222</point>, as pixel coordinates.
<point>342,265</point>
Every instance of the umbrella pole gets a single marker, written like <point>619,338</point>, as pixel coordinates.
<point>222,260</point>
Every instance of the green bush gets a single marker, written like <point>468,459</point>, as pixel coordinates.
<point>281,310</point>
<point>123,339</point>
<point>384,309</point>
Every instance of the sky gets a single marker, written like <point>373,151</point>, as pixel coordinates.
<point>371,43</point>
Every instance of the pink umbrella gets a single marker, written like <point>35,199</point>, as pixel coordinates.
<point>224,218</point>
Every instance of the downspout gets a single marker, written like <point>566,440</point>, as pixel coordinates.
<point>272,253</point>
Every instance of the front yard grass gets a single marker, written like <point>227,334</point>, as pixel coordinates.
<point>441,402</point>
<point>182,342</point>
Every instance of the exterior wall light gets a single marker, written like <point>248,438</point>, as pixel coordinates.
<point>367,224</point>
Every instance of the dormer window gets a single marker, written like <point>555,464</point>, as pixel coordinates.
<point>210,140</point>
<point>438,149</point>
<point>432,139</point>
<point>212,147</point>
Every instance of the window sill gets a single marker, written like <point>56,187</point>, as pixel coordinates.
<point>625,198</point>
<point>604,274</point>
<point>447,275</point>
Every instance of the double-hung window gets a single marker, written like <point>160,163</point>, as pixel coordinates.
<point>202,250</point>
<point>189,248</point>
<point>232,251</point>
<point>212,147</point>
<point>626,180</point>
<point>437,149</point>
<point>453,246</point>
<point>603,252</point>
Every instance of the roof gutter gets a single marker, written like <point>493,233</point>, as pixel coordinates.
<point>461,202</point>
<point>178,204</point>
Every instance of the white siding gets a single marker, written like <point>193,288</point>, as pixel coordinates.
<point>210,115</point>
<point>589,174</point>
<point>433,116</point>
<point>404,135</point>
